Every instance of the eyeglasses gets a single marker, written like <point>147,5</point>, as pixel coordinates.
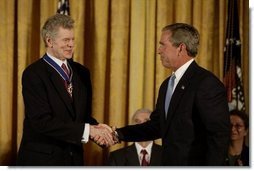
<point>237,126</point>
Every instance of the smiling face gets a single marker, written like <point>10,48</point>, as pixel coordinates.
<point>238,129</point>
<point>61,45</point>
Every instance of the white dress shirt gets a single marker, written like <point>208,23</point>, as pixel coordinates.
<point>148,148</point>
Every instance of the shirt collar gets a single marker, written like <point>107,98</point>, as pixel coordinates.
<point>58,61</point>
<point>180,71</point>
<point>148,148</point>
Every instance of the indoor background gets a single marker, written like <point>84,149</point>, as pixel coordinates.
<point>117,40</point>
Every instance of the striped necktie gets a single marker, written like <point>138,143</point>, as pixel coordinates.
<point>68,85</point>
<point>67,72</point>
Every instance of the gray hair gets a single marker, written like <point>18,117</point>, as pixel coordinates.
<point>184,33</point>
<point>143,110</point>
<point>53,23</point>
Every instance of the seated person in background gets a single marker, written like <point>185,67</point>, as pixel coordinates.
<point>134,155</point>
<point>238,152</point>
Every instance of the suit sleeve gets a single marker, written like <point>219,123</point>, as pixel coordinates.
<point>213,108</point>
<point>149,130</point>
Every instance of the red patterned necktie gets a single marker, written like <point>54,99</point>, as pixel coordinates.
<point>68,86</point>
<point>144,162</point>
<point>66,70</point>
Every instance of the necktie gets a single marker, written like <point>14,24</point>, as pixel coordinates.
<point>68,85</point>
<point>66,70</point>
<point>144,162</point>
<point>169,92</point>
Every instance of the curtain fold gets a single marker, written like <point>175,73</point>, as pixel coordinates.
<point>117,40</point>
<point>6,72</point>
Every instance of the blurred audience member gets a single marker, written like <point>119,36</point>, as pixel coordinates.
<point>139,153</point>
<point>238,152</point>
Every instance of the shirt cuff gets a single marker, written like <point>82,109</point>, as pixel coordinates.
<point>85,137</point>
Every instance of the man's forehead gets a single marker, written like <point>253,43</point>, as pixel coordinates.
<point>165,35</point>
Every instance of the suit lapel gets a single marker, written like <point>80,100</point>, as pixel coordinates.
<point>76,94</point>
<point>132,156</point>
<point>155,156</point>
<point>180,89</point>
<point>177,96</point>
<point>58,83</point>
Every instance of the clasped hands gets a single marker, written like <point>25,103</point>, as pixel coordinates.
<point>103,135</point>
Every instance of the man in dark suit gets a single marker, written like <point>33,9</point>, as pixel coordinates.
<point>191,114</point>
<point>57,96</point>
<point>133,155</point>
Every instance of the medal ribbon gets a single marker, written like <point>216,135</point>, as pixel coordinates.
<point>58,69</point>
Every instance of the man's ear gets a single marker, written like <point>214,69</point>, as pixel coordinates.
<point>49,42</point>
<point>182,48</point>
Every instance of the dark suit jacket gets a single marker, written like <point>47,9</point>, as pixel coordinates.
<point>128,156</point>
<point>54,123</point>
<point>197,128</point>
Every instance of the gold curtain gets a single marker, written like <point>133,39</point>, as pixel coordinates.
<point>117,40</point>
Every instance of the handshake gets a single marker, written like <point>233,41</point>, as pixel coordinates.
<point>103,135</point>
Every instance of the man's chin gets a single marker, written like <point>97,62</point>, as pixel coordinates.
<point>68,57</point>
<point>165,64</point>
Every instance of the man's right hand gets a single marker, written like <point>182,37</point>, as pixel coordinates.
<point>103,135</point>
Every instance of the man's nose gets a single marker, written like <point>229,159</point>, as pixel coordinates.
<point>71,43</point>
<point>159,50</point>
